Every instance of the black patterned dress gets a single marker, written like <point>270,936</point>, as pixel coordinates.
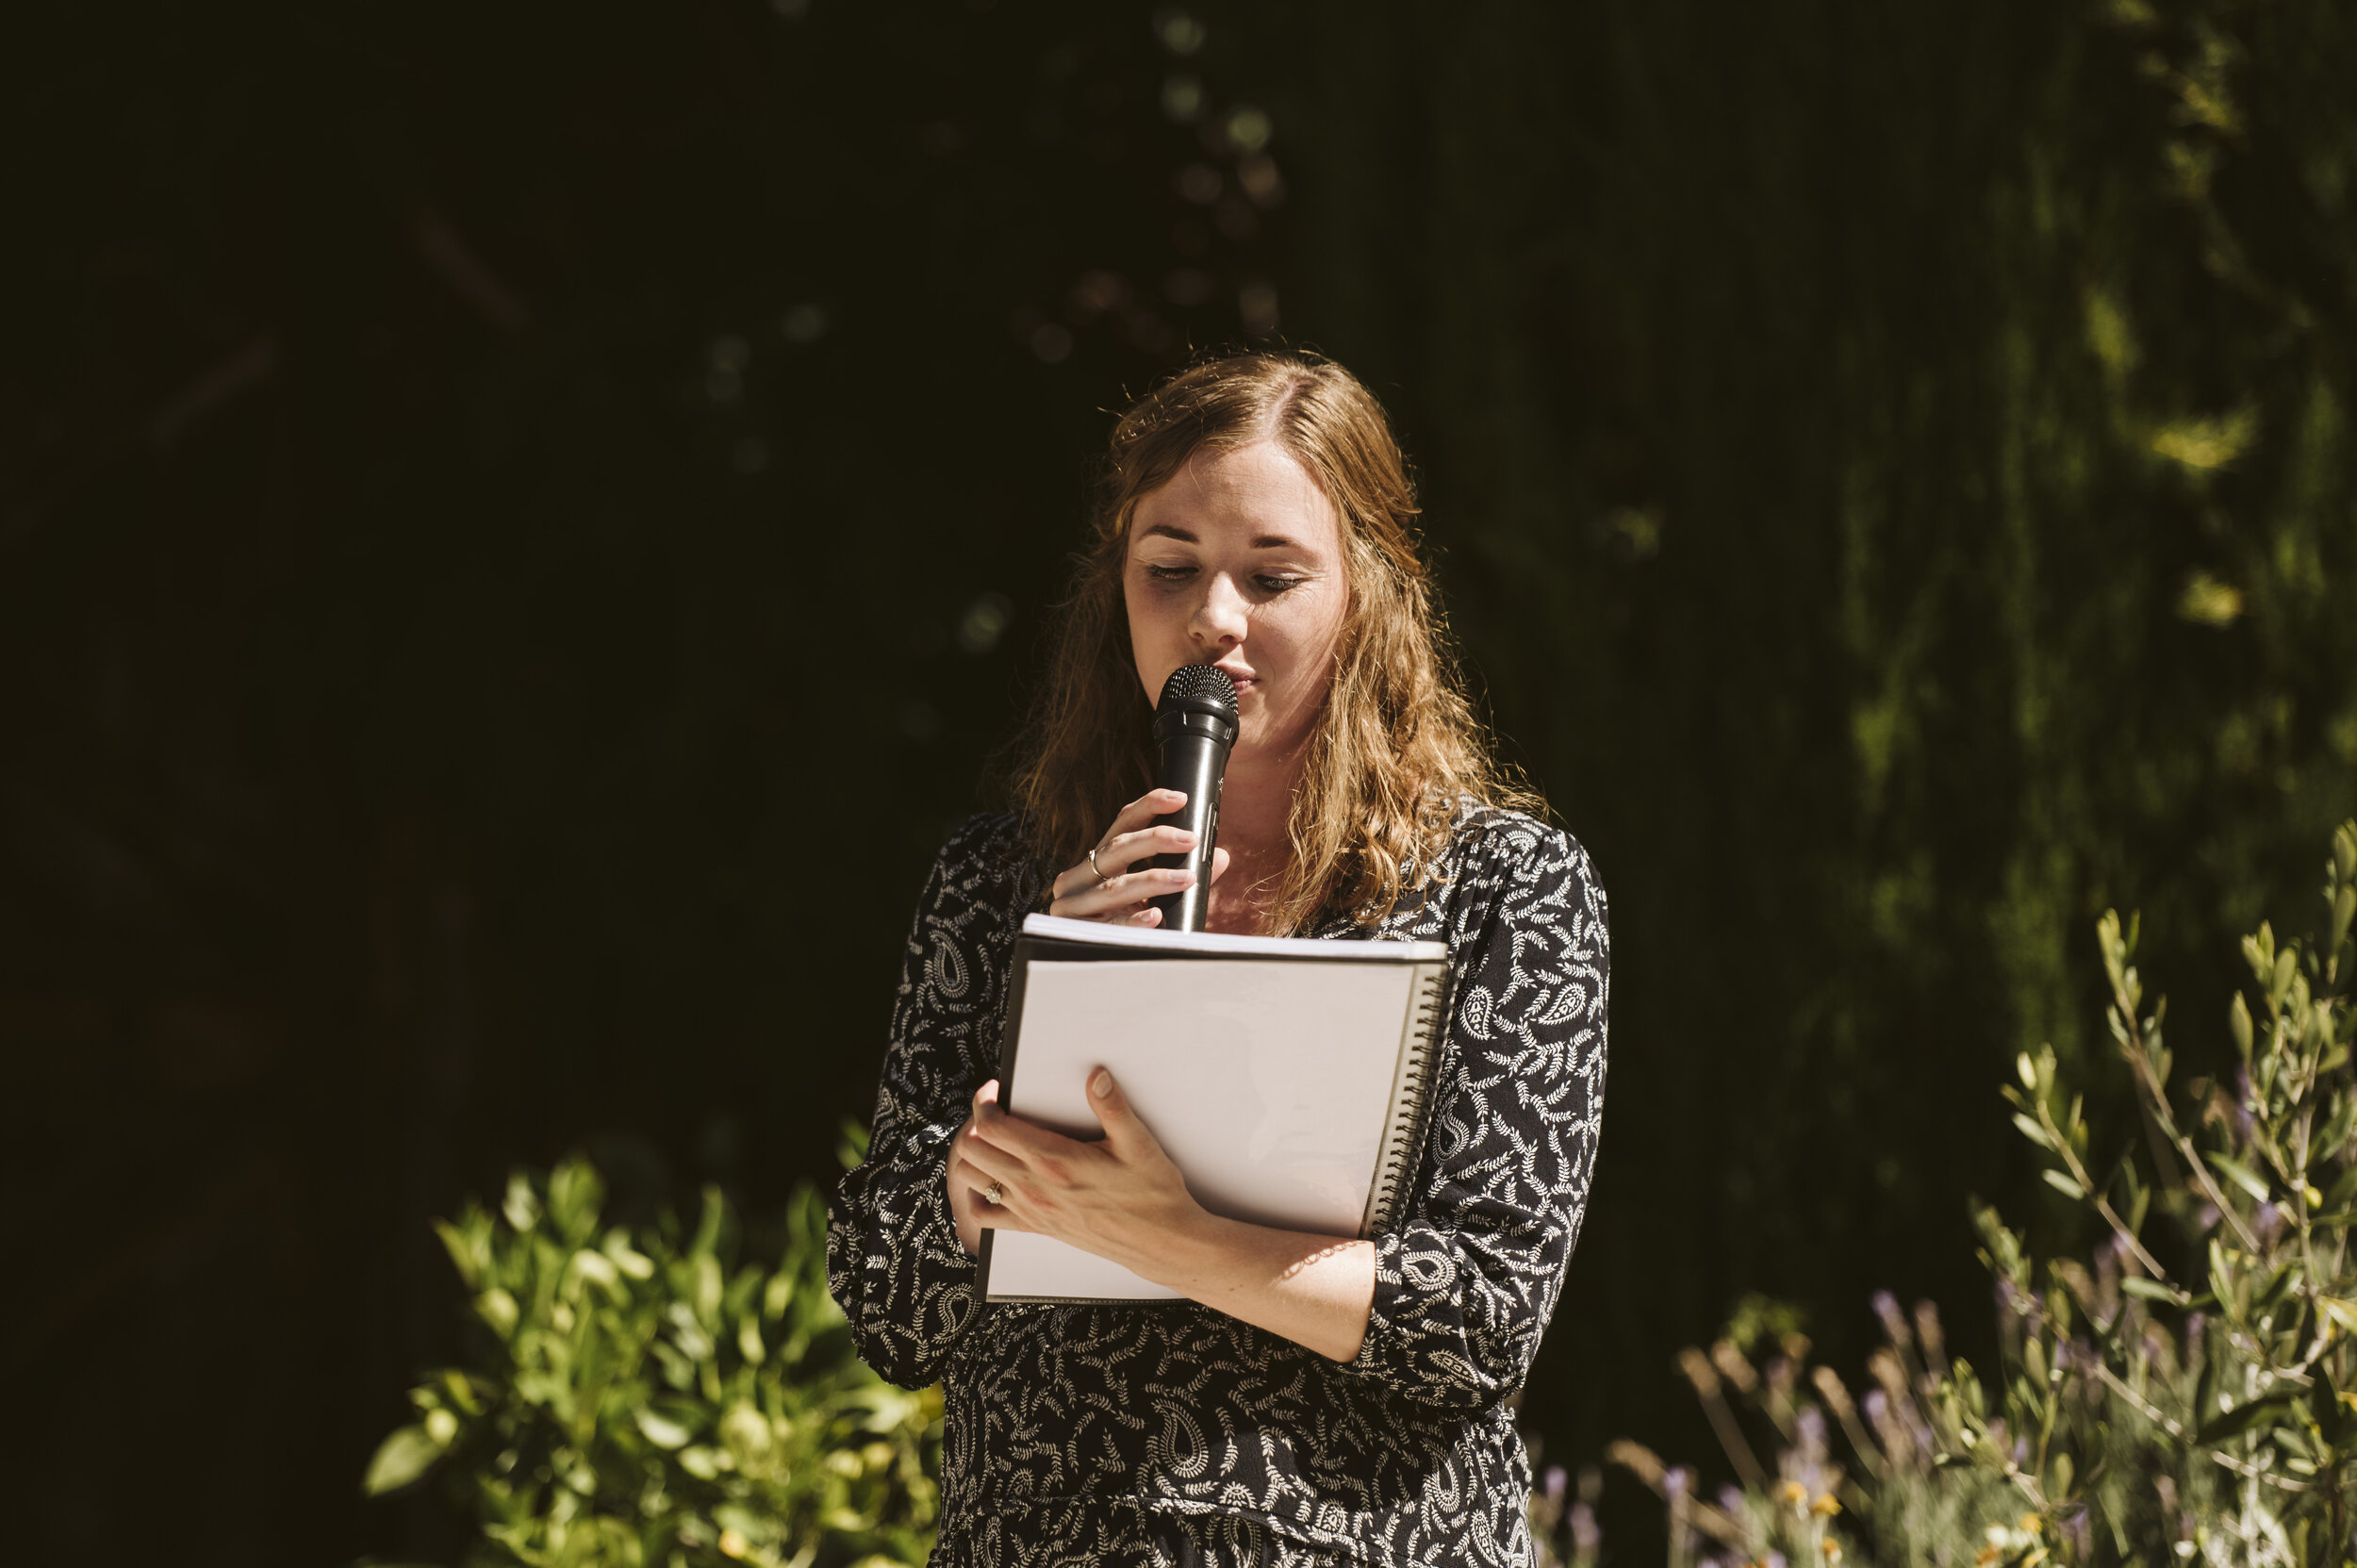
<point>1176,1434</point>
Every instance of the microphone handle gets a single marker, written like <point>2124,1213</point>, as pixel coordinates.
<point>1194,763</point>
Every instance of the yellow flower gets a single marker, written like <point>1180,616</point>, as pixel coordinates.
<point>1832,1549</point>
<point>1825,1507</point>
<point>734,1544</point>
<point>1988,1555</point>
<point>2031,1523</point>
<point>1792,1492</point>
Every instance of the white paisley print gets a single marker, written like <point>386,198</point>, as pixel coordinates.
<point>1176,1434</point>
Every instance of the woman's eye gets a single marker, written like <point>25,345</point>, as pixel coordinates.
<point>1278,584</point>
<point>1169,574</point>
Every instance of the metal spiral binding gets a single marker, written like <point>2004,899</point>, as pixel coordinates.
<point>1397,1165</point>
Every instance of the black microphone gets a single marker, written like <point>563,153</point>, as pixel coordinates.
<point>1195,724</point>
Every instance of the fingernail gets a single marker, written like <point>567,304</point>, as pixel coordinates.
<point>1102,1083</point>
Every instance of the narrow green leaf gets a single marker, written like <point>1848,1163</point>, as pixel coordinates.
<point>2240,1175</point>
<point>2242,1418</point>
<point>2151,1290</point>
<point>661,1432</point>
<point>498,1310</point>
<point>400,1459</point>
<point>2062,1183</point>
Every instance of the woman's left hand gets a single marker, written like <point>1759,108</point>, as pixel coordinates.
<point>1117,1199</point>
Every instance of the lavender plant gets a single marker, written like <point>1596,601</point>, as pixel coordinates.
<point>2187,1393</point>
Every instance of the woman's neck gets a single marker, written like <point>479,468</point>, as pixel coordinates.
<point>1255,828</point>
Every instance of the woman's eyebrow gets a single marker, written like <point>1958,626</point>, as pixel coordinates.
<point>1172,531</point>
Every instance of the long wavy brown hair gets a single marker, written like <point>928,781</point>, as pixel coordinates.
<point>1397,746</point>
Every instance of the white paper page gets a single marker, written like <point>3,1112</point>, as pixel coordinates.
<point>1325,949</point>
<point>1024,1265</point>
<point>1267,1083</point>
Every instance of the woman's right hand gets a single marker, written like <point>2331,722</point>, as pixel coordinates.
<point>1115,887</point>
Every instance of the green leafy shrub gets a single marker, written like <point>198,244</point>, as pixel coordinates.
<point>645,1398</point>
<point>2187,1393</point>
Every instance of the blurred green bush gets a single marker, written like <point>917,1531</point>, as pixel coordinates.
<point>2185,1395</point>
<point>646,1396</point>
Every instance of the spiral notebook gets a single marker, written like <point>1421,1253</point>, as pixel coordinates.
<point>1288,1078</point>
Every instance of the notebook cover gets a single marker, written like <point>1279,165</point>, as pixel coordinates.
<point>1405,1109</point>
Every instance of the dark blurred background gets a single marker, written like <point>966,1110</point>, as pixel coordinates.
<point>520,526</point>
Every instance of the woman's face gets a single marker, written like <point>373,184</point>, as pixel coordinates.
<point>1237,562</point>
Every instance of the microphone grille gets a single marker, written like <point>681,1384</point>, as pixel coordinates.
<point>1201,687</point>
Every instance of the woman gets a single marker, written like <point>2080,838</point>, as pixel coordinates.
<point>1319,1398</point>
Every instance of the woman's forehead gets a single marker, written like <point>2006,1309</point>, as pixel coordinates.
<point>1257,496</point>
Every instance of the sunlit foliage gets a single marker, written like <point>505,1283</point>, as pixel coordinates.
<point>652,1396</point>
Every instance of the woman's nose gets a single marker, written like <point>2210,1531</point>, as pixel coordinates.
<point>1220,619</point>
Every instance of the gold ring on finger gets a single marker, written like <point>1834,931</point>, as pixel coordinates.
<point>993,1195</point>
<point>1102,878</point>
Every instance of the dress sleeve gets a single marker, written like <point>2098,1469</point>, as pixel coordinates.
<point>892,1260</point>
<point>1468,1276</point>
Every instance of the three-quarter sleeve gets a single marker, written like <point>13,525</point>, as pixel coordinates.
<point>1468,1276</point>
<point>892,1260</point>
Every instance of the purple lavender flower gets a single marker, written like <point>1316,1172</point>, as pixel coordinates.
<point>1731,1502</point>
<point>1886,1308</point>
<point>1557,1481</point>
<point>1877,1405</point>
<point>2197,1325</point>
<point>1811,1422</point>
<point>1586,1538</point>
<point>1775,1559</point>
<point>2265,1221</point>
<point>2074,1525</point>
<point>1927,1327</point>
<point>1678,1482</point>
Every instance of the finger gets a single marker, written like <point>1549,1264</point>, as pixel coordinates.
<point>1037,1147</point>
<point>1124,892</point>
<point>993,1163</point>
<point>1124,1134</point>
<point>1148,917</point>
<point>1124,851</point>
<point>1219,863</point>
<point>1138,813</point>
